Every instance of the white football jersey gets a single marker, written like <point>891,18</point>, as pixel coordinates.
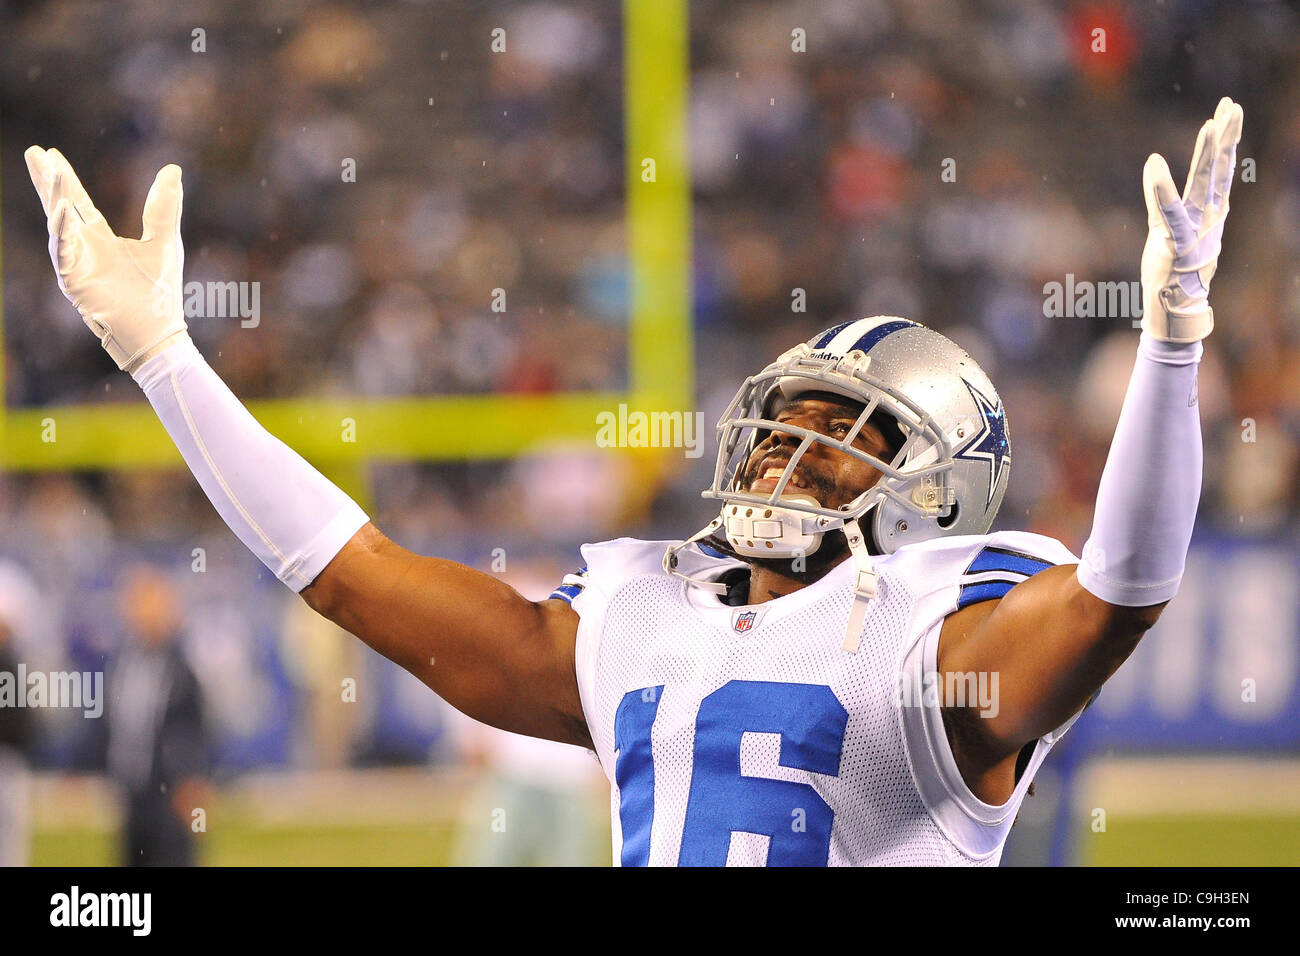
<point>747,736</point>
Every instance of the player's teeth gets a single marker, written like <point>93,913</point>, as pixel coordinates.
<point>776,471</point>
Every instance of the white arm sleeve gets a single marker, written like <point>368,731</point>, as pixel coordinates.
<point>1146,503</point>
<point>283,509</point>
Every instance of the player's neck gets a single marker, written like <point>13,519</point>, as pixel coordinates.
<point>768,584</point>
<point>769,581</point>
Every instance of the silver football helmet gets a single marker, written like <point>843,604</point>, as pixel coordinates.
<point>948,476</point>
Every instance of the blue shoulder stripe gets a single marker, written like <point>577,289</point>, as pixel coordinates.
<point>571,587</point>
<point>567,592</point>
<point>984,591</point>
<point>1004,559</point>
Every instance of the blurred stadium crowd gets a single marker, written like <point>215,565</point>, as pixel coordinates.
<point>817,170</point>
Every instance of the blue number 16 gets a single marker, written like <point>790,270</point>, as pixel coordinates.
<point>797,821</point>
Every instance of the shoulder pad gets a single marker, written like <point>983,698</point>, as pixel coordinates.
<point>1005,559</point>
<point>986,566</point>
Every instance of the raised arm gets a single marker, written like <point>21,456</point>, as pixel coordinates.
<point>1055,638</point>
<point>488,651</point>
<point>485,649</point>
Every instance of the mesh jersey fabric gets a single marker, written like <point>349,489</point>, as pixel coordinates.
<point>747,736</point>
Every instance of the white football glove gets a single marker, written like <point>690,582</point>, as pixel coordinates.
<point>1182,249</point>
<point>127,290</point>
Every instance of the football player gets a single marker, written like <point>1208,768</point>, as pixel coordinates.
<point>843,667</point>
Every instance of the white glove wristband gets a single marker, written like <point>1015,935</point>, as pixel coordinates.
<point>286,512</point>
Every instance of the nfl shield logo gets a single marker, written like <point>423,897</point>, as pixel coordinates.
<point>745,620</point>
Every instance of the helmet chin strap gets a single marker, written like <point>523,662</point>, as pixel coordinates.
<point>670,558</point>
<point>864,585</point>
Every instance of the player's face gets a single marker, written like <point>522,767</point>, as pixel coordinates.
<point>831,476</point>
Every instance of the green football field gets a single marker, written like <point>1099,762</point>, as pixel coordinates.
<point>251,845</point>
<point>392,817</point>
<point>1170,841</point>
<point>248,844</point>
<point>1186,812</point>
<point>1194,840</point>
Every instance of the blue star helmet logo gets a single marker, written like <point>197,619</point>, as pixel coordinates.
<point>989,444</point>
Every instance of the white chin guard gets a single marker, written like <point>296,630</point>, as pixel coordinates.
<point>770,531</point>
